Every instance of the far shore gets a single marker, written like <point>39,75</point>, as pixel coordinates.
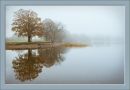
<point>36,45</point>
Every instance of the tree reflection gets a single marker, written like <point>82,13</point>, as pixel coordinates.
<point>28,66</point>
<point>51,56</point>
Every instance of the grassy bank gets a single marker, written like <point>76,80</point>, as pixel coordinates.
<point>35,45</point>
<point>24,43</point>
<point>74,45</point>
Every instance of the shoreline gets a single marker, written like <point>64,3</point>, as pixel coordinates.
<point>37,45</point>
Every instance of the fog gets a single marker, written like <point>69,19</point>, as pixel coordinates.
<point>104,22</point>
<point>102,26</point>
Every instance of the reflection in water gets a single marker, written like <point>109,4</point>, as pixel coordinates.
<point>28,65</point>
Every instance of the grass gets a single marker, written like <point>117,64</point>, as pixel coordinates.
<point>74,45</point>
<point>21,41</point>
<point>26,45</point>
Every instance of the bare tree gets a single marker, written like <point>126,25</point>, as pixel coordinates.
<point>53,32</point>
<point>27,23</point>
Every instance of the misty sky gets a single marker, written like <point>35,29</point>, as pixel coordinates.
<point>87,20</point>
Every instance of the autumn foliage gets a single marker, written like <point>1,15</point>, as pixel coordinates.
<point>27,23</point>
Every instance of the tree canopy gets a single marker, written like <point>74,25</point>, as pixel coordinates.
<point>27,23</point>
<point>54,32</point>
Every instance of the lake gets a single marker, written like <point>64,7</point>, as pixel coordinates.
<point>57,65</point>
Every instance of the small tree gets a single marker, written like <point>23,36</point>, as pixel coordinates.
<point>49,27</point>
<point>27,23</point>
<point>53,32</point>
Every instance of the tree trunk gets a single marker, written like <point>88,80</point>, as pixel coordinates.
<point>29,53</point>
<point>29,39</point>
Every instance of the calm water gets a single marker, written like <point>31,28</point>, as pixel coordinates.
<point>89,65</point>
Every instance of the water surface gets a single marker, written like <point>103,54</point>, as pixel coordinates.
<point>58,65</point>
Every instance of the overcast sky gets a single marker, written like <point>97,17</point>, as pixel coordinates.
<point>87,20</point>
